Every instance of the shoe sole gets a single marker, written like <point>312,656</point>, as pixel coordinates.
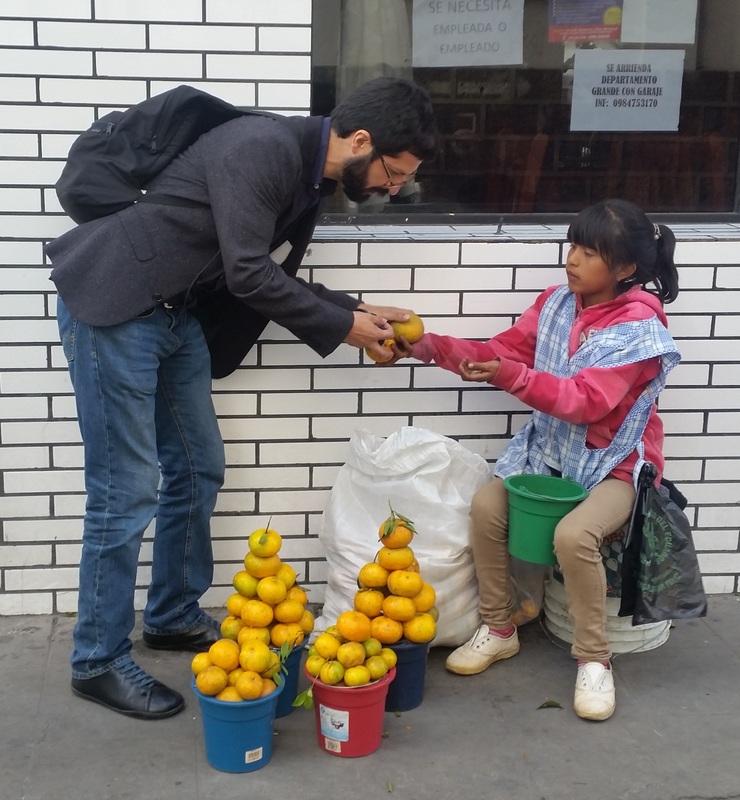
<point>600,717</point>
<point>135,714</point>
<point>183,648</point>
<point>478,670</point>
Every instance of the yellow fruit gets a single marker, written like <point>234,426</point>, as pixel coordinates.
<point>261,634</point>
<point>331,673</point>
<point>414,566</point>
<point>434,613</point>
<point>334,631</point>
<point>399,608</point>
<point>369,602</point>
<point>288,611</point>
<point>264,542</point>
<point>245,583</point>
<point>376,666</point>
<point>290,632</point>
<point>234,604</point>
<point>297,593</point>
<point>405,583</point>
<point>211,681</point>
<point>351,654</point>
<point>372,576</point>
<point>271,590</point>
<point>225,654</point>
<point>230,627</point>
<point>426,598</point>
<point>314,664</point>
<point>357,676</point>
<point>233,676</point>
<point>386,630</point>
<point>268,686</point>
<point>273,667</point>
<point>412,330</point>
<point>200,662</point>
<point>395,558</point>
<point>287,575</point>
<point>229,695</point>
<point>249,685</point>
<point>422,628</point>
<point>326,645</point>
<point>396,531</point>
<point>259,567</point>
<point>255,656</point>
<point>257,613</point>
<point>389,656</point>
<point>306,621</point>
<point>387,352</point>
<point>354,626</point>
<point>372,647</point>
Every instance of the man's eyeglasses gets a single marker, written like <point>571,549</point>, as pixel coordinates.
<point>391,183</point>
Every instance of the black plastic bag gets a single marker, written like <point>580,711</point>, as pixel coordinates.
<point>660,571</point>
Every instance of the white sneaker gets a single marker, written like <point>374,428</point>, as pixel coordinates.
<point>595,697</point>
<point>480,651</point>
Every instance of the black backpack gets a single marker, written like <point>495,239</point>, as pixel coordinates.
<point>115,158</point>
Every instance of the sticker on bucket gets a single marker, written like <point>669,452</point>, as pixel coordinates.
<point>250,756</point>
<point>334,724</point>
<point>332,745</point>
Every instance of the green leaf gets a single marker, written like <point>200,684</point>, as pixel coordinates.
<point>304,699</point>
<point>389,786</point>
<point>549,704</point>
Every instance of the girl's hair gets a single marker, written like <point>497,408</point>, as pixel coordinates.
<point>621,234</point>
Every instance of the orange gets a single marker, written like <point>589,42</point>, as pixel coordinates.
<point>314,664</point>
<point>369,602</point>
<point>376,666</point>
<point>264,542</point>
<point>200,662</point>
<point>306,621</point>
<point>271,590</point>
<point>399,608</point>
<point>386,630</point>
<point>326,645</point>
<point>287,575</point>
<point>372,576</point>
<point>372,647</point>
<point>390,657</point>
<point>351,654</point>
<point>357,676</point>
<point>387,352</point>
<point>422,628</point>
<point>395,558</point>
<point>255,656</point>
<point>426,598</point>
<point>225,654</point>
<point>234,676</point>
<point>249,685</point>
<point>434,613</point>
<point>268,686</point>
<point>405,583</point>
<point>234,604</point>
<point>245,583</point>
<point>288,611</point>
<point>334,631</point>
<point>230,627</point>
<point>354,626</point>
<point>297,593</point>
<point>211,681</point>
<point>259,567</point>
<point>262,634</point>
<point>412,330</point>
<point>273,667</point>
<point>414,566</point>
<point>229,695</point>
<point>290,632</point>
<point>396,531</point>
<point>257,614</point>
<point>331,673</point>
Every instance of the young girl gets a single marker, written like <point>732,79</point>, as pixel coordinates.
<point>590,357</point>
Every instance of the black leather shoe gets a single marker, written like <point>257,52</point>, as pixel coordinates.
<point>195,640</point>
<point>131,691</point>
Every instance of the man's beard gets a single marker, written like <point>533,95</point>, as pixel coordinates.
<point>354,179</point>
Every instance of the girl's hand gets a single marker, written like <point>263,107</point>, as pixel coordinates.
<point>479,371</point>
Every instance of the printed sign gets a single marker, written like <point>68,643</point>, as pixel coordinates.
<point>583,20</point>
<point>627,90</point>
<point>467,33</point>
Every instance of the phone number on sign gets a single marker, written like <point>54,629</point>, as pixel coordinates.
<point>634,102</point>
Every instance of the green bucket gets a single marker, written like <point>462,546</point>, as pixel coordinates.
<point>536,504</point>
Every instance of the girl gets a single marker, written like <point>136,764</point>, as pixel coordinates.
<point>590,357</point>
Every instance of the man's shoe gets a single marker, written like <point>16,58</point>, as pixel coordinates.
<point>480,651</point>
<point>129,690</point>
<point>595,696</point>
<point>196,640</point>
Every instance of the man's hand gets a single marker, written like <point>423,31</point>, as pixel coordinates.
<point>368,330</point>
<point>390,313</point>
<point>479,371</point>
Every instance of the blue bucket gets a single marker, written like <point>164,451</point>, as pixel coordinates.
<point>238,736</point>
<point>407,690</point>
<point>290,681</point>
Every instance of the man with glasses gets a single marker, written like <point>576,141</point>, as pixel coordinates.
<point>154,300</point>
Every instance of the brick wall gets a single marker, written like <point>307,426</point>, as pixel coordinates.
<point>286,415</point>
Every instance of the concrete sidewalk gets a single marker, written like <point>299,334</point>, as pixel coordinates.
<point>674,735</point>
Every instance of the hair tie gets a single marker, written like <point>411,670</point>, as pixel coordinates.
<point>658,234</point>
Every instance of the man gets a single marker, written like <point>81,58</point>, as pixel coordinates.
<point>157,298</point>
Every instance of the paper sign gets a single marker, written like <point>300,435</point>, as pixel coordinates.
<point>627,90</point>
<point>467,33</point>
<point>583,20</point>
<point>659,21</point>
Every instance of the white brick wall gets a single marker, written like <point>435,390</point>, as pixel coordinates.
<point>286,415</point>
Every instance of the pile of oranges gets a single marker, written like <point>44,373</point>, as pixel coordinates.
<point>266,617</point>
<point>393,602</point>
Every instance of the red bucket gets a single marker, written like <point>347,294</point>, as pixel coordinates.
<point>349,719</point>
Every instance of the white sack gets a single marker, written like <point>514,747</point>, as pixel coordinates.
<point>431,480</point>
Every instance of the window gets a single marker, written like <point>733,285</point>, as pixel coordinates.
<point>588,111</point>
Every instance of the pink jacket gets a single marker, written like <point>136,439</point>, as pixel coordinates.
<point>598,397</point>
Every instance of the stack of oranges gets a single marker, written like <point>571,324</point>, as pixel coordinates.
<point>266,618</point>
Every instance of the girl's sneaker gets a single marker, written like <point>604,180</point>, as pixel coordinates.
<point>480,651</point>
<point>595,696</point>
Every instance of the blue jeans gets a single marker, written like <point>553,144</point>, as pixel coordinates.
<point>152,448</point>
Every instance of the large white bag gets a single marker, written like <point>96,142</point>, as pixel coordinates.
<point>431,480</point>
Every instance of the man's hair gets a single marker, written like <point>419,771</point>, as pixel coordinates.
<point>396,113</point>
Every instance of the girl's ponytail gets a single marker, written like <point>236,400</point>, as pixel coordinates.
<point>665,275</point>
